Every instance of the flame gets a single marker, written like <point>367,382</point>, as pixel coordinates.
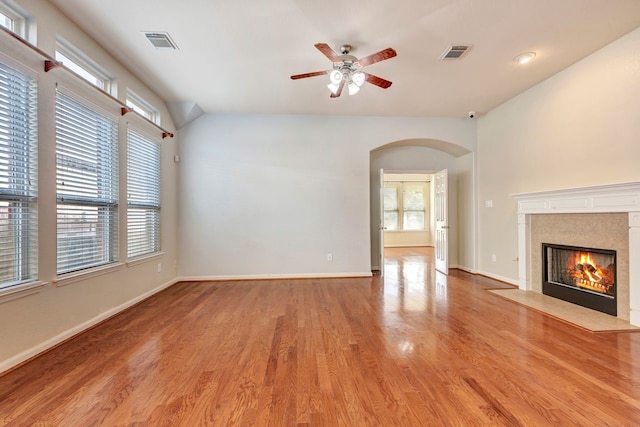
<point>588,273</point>
<point>596,275</point>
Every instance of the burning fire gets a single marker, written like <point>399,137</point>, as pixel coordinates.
<point>589,274</point>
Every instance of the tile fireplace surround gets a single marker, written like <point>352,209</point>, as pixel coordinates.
<point>603,199</point>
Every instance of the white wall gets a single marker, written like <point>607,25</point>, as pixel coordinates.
<point>467,212</point>
<point>273,195</point>
<point>577,128</point>
<point>35,322</point>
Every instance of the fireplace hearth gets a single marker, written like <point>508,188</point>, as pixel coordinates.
<point>583,276</point>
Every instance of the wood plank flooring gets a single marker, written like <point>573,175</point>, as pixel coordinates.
<point>412,349</point>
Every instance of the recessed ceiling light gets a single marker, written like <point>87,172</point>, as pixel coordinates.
<point>523,58</point>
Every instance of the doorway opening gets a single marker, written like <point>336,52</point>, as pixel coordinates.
<point>408,209</point>
<point>459,213</point>
<point>414,213</point>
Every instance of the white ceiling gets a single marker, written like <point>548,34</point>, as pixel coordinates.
<point>237,55</point>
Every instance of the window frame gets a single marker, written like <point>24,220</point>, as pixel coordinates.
<point>400,188</point>
<point>396,186</point>
<point>22,22</point>
<point>142,107</point>
<point>25,159</point>
<point>74,59</point>
<point>423,186</point>
<point>106,201</point>
<point>149,192</point>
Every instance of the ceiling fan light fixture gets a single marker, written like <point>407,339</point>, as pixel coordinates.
<point>353,88</point>
<point>333,87</point>
<point>346,69</point>
<point>358,78</point>
<point>336,77</point>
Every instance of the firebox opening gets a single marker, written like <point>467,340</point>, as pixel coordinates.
<point>583,276</point>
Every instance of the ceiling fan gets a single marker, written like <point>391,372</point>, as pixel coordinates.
<point>346,69</point>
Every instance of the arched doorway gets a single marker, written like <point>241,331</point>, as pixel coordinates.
<point>429,156</point>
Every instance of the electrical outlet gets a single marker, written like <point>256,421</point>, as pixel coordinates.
<point>329,257</point>
<point>488,203</point>
<point>159,267</point>
<point>493,257</point>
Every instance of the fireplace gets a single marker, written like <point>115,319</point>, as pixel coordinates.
<point>583,276</point>
<point>603,216</point>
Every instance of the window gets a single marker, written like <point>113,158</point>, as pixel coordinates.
<point>404,206</point>
<point>13,18</point>
<point>87,186</point>
<point>142,107</point>
<point>6,21</point>
<point>84,67</point>
<point>143,195</point>
<point>391,207</point>
<point>413,201</point>
<point>18,139</point>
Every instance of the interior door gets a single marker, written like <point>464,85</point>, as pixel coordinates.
<point>381,225</point>
<point>441,221</point>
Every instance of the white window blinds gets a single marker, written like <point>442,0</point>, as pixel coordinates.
<point>87,186</point>
<point>391,208</point>
<point>18,140</point>
<point>413,199</point>
<point>143,195</point>
<point>405,206</point>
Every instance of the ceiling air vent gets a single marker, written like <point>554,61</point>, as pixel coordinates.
<point>454,52</point>
<point>161,40</point>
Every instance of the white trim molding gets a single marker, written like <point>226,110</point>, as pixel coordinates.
<point>611,198</point>
<point>623,197</point>
<point>409,245</point>
<point>22,290</point>
<point>76,276</point>
<point>144,258</point>
<point>503,279</point>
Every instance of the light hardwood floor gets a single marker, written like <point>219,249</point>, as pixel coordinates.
<point>414,349</point>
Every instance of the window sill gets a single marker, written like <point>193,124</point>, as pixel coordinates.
<point>22,290</point>
<point>144,258</point>
<point>77,276</point>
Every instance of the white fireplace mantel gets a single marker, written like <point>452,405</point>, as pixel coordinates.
<point>623,197</point>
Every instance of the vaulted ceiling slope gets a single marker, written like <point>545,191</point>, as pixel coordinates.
<point>237,56</point>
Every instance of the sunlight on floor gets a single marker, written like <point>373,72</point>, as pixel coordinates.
<point>407,279</point>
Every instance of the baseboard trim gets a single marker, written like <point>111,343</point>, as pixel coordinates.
<point>506,280</point>
<point>410,245</point>
<point>232,278</point>
<point>33,352</point>
<point>465,269</point>
<point>503,279</point>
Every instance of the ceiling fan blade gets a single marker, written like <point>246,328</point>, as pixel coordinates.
<point>305,75</point>
<point>378,81</point>
<point>339,92</point>
<point>388,53</point>
<point>328,52</point>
